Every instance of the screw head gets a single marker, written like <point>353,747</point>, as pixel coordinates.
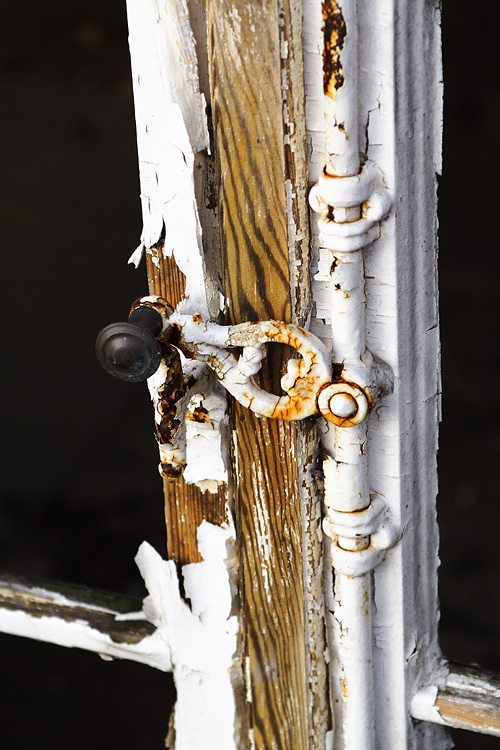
<point>128,352</point>
<point>343,405</point>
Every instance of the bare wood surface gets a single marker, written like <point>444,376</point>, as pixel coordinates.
<point>470,700</point>
<point>262,229</point>
<point>463,711</point>
<point>186,506</point>
<point>297,189</point>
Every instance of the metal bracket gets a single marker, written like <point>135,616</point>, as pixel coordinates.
<point>173,351</point>
<point>308,383</point>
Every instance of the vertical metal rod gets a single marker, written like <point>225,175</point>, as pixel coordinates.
<point>346,477</point>
<point>353,611</point>
<point>340,69</point>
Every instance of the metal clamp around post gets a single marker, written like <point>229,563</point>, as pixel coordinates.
<point>335,198</point>
<point>373,527</point>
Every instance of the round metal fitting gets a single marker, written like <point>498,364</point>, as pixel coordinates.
<point>128,352</point>
<point>344,404</point>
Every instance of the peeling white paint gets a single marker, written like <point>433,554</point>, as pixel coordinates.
<point>171,128</point>
<point>202,637</point>
<point>423,705</point>
<point>197,448</point>
<point>206,464</point>
<point>398,312</point>
<point>263,530</point>
<point>152,650</point>
<point>197,642</point>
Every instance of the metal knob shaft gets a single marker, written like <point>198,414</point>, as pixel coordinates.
<point>130,351</point>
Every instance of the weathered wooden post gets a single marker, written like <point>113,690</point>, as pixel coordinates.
<point>298,605</point>
<point>295,97</point>
<point>253,188</point>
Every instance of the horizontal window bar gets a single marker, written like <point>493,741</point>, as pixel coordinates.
<point>75,616</point>
<point>461,697</point>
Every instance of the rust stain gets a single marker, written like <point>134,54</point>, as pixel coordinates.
<point>173,334</point>
<point>168,396</point>
<point>337,369</point>
<point>345,689</point>
<point>170,471</point>
<point>200,414</point>
<point>160,305</point>
<point>334,33</point>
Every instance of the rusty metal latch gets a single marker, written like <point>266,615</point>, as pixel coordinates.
<point>173,349</point>
<point>133,351</point>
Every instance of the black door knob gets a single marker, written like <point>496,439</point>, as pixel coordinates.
<point>129,351</point>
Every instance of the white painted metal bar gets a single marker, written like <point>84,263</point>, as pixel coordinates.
<point>341,87</point>
<point>346,465</point>
<point>398,130</point>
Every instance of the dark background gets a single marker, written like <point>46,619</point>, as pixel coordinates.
<point>79,489</point>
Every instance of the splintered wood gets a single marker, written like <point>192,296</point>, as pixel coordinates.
<point>252,199</point>
<point>186,506</point>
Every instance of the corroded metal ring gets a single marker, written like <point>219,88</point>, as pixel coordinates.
<point>301,382</point>
<point>345,404</point>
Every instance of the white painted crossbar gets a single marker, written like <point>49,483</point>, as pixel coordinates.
<point>76,617</point>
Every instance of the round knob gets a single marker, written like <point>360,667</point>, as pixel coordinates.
<point>130,351</point>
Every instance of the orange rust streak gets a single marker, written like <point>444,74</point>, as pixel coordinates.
<point>334,32</point>
<point>186,506</point>
<point>200,414</point>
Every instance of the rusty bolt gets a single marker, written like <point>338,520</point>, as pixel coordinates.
<point>345,404</point>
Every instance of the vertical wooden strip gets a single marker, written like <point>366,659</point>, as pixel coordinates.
<point>165,279</point>
<point>186,506</point>
<point>295,153</point>
<point>247,106</point>
<point>296,186</point>
<point>247,118</point>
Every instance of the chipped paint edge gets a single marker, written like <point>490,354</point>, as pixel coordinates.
<point>151,650</point>
<point>202,637</point>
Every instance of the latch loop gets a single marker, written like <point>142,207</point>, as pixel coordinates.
<point>147,346</point>
<point>307,382</point>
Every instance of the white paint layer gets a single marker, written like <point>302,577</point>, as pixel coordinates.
<point>152,650</point>
<point>171,129</point>
<point>423,705</point>
<point>201,638</point>
<point>399,112</point>
<point>205,460</point>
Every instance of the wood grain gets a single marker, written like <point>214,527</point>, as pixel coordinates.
<point>264,241</point>
<point>186,506</point>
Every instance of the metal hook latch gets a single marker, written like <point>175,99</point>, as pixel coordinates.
<point>168,347</point>
<point>132,351</point>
